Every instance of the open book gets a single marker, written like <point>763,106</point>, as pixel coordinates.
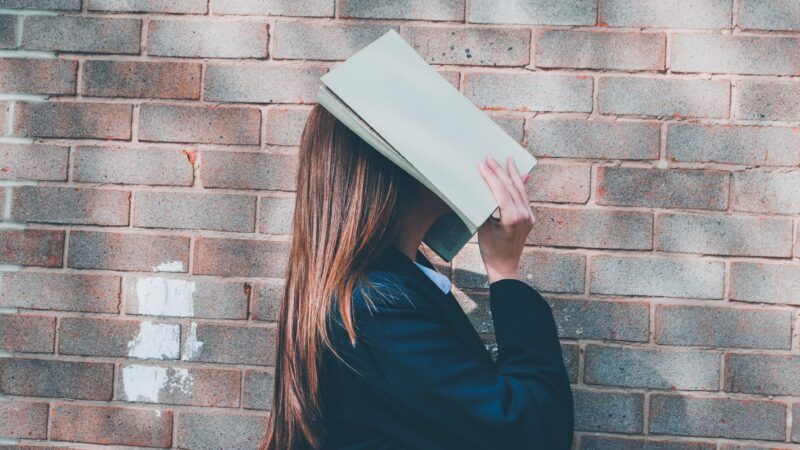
<point>390,97</point>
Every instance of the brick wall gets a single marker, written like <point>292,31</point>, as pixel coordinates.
<point>147,165</point>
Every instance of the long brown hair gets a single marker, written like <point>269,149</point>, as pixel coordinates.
<point>348,205</point>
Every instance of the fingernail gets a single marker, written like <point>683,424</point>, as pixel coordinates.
<point>480,165</point>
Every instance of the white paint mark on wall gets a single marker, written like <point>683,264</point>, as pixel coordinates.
<point>169,266</point>
<point>193,347</point>
<point>156,340</point>
<point>159,296</point>
<point>142,383</point>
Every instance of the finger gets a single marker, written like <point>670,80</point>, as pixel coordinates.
<point>505,179</point>
<point>518,183</point>
<point>501,196</point>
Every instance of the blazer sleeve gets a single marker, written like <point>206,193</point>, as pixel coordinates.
<point>419,368</point>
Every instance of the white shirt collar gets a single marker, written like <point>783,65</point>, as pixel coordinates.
<point>440,279</point>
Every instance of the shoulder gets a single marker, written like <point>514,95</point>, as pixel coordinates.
<point>379,290</point>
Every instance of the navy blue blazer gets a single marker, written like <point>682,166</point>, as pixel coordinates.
<point>420,377</point>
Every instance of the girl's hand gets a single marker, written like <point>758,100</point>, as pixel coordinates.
<point>501,240</point>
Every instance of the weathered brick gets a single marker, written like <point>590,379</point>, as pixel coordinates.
<point>262,83</point>
<point>652,368</point>
<point>323,41</point>
<point>724,235</point>
<point>762,374</point>
<point>546,271</point>
<point>32,247</point>
<point>115,337</point>
<point>119,165</point>
<point>60,291</point>
<point>662,188</point>
<point>612,412</point>
<point>8,30</point>
<point>56,379</point>
<point>205,124</point>
<point>767,100</point>
<point>169,209</point>
<point>717,417</point>
<point>176,385</point>
<point>716,53</point>
<point>267,300</point>
<point>577,138</point>
<point>769,15</point>
<point>210,430</point>
<point>657,276</point>
<point>514,126</point>
<point>208,38</point>
<point>285,124</point>
<point>258,387</point>
<point>560,183</point>
<point>473,46</point>
<point>765,282</point>
<point>27,333</point>
<point>598,319</point>
<point>5,112</point>
<point>592,228</point>
<point>711,326</point>
<point>158,6</point>
<point>74,205</point>
<point>796,423</point>
<point>128,251</point>
<point>671,14</point>
<point>768,192</point>
<point>77,34</point>
<point>569,353</point>
<point>275,215</point>
<point>529,91</point>
<point>240,257</point>
<point>26,420</point>
<point>176,297</point>
<point>111,425</point>
<point>403,9</point>
<point>231,344</point>
<point>141,79</point>
<point>763,146</point>
<point>306,8</point>
<point>73,120</point>
<point>600,50</point>
<point>568,12</point>
<point>38,76</point>
<point>248,170</point>
<point>34,162</point>
<point>66,5</point>
<point>599,442</point>
<point>669,97</point>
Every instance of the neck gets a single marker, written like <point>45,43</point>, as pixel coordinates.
<point>416,226</point>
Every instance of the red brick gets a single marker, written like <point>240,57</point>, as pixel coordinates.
<point>38,76</point>
<point>600,442</point>
<point>141,79</point>
<point>5,110</point>
<point>8,31</point>
<point>297,39</point>
<point>267,300</point>
<point>176,297</point>
<point>176,385</point>
<point>657,276</point>
<point>32,247</point>
<point>513,125</point>
<point>769,15</point>
<point>276,215</point>
<point>600,50</point>
<point>763,282</point>
<point>66,5</point>
<point>171,167</point>
<point>471,46</point>
<point>578,138</point>
<point>248,170</point>
<point>662,188</point>
<point>614,412</point>
<point>34,162</point>
<point>77,34</point>
<point>527,91</point>
<point>26,420</point>
<point>111,425</point>
<point>673,14</point>
<point>768,192</point>
<point>208,38</point>
<point>70,205</point>
<point>27,333</point>
<point>285,124</point>
<point>73,120</point>
<point>710,326</point>
<point>410,10</point>
<point>559,183</point>
<point>762,374</point>
<point>224,212</point>
<point>232,344</point>
<point>54,379</point>
<point>740,54</point>
<point>569,12</point>
<point>128,251</point>
<point>60,291</point>
<point>205,124</point>
<point>767,100</point>
<point>240,257</point>
<point>118,338</point>
<point>763,146</point>
<point>157,6</point>
<point>260,82</point>
<point>598,319</point>
<point>309,8</point>
<point>258,388</point>
<point>592,228</point>
<point>663,97</point>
